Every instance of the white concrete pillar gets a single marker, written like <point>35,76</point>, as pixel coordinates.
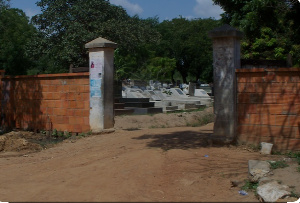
<point>101,54</point>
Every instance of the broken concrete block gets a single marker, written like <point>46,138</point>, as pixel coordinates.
<point>266,148</point>
<point>272,191</point>
<point>258,169</point>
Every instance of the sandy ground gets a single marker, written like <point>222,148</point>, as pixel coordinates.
<point>173,164</point>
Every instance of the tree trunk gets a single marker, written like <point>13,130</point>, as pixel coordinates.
<point>184,76</point>
<point>172,77</point>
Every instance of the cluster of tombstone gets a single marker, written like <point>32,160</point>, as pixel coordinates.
<point>166,95</point>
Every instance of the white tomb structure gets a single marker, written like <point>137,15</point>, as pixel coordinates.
<point>170,98</point>
<point>151,94</point>
<point>134,93</point>
<point>203,96</point>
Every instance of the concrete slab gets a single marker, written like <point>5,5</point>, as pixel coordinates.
<point>152,95</point>
<point>258,169</point>
<point>272,191</point>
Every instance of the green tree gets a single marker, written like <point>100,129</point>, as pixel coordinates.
<point>187,42</point>
<point>201,49</point>
<point>15,34</point>
<point>143,64</point>
<point>67,25</point>
<point>4,4</point>
<point>132,63</point>
<point>160,68</point>
<point>271,27</point>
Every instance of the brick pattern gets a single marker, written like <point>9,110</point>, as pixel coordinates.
<point>268,107</point>
<point>47,102</point>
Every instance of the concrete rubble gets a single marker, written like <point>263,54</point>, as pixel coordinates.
<point>272,191</point>
<point>258,169</point>
<point>269,190</point>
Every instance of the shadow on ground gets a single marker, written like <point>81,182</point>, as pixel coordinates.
<point>181,140</point>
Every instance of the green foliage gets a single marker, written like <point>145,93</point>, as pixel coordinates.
<point>295,155</point>
<point>67,134</point>
<point>187,42</point>
<point>160,68</point>
<point>294,194</point>
<point>61,134</point>
<point>54,133</point>
<point>44,132</point>
<point>268,46</point>
<point>148,49</point>
<point>4,4</point>
<point>168,92</point>
<point>143,65</point>
<point>278,164</point>
<point>271,27</point>
<point>15,36</point>
<point>295,52</point>
<point>250,186</point>
<point>67,25</point>
<point>82,135</point>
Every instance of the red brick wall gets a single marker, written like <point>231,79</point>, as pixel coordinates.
<point>47,102</point>
<point>268,107</point>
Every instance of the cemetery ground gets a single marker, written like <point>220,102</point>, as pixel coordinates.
<point>153,158</point>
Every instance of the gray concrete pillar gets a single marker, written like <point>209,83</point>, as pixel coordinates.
<point>226,58</point>
<point>101,54</point>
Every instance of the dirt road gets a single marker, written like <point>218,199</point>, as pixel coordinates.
<point>167,164</point>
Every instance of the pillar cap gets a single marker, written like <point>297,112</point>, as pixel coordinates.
<point>225,31</point>
<point>101,43</point>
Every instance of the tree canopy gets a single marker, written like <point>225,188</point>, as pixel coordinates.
<point>66,25</point>
<point>15,35</point>
<point>148,49</point>
<point>184,47</point>
<point>188,43</point>
<point>271,27</point>
<point>4,4</point>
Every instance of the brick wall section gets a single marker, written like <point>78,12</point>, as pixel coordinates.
<point>47,102</point>
<point>268,107</point>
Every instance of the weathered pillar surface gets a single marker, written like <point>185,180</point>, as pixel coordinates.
<point>101,53</point>
<point>226,58</point>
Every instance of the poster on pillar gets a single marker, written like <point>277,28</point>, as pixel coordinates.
<point>96,73</point>
<point>95,88</point>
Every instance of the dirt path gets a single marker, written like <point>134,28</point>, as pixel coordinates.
<point>167,164</point>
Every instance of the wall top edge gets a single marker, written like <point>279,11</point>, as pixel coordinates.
<point>255,70</point>
<point>47,75</point>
